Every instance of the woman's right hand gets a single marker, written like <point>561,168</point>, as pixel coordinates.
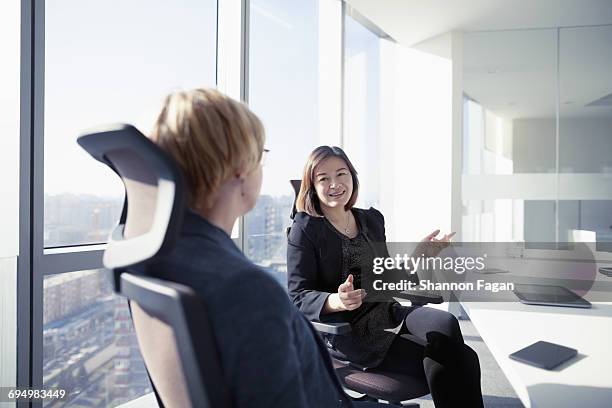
<point>347,298</point>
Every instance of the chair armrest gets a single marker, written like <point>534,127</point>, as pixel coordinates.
<point>332,328</point>
<point>420,298</point>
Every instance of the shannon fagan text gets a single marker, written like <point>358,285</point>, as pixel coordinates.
<point>443,286</point>
<point>459,264</point>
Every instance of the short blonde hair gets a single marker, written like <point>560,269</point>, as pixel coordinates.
<point>211,136</point>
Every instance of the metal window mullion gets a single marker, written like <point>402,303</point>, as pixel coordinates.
<point>71,261</point>
<point>244,91</point>
<point>217,44</point>
<point>366,22</point>
<point>24,260</point>
<point>37,209</point>
<point>342,72</point>
<point>557,124</point>
<point>244,51</point>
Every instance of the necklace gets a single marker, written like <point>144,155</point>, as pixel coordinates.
<point>348,219</point>
<point>346,227</point>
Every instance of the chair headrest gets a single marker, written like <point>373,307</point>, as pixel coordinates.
<point>153,209</point>
<point>296,184</point>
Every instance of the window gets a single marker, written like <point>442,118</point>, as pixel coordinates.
<point>108,62</point>
<point>294,87</point>
<point>104,62</point>
<point>89,346</point>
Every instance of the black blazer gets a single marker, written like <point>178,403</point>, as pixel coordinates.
<point>314,258</point>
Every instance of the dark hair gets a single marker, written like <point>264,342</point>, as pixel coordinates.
<point>307,199</point>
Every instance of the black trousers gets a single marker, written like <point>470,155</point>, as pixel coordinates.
<point>432,346</point>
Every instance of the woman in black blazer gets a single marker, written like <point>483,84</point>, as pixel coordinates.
<point>327,244</point>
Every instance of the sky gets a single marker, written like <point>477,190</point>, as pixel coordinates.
<point>114,61</point>
<point>121,74</point>
<point>283,86</point>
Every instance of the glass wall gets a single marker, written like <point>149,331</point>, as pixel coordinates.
<point>294,87</point>
<point>126,57</point>
<point>585,134</point>
<point>538,135</point>
<point>89,346</point>
<point>509,109</point>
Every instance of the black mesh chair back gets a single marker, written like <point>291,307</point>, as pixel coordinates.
<point>296,184</point>
<point>173,333</point>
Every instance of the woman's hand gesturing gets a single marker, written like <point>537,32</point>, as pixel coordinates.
<point>431,246</point>
<point>347,298</point>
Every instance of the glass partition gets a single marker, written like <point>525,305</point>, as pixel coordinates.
<point>509,81</point>
<point>509,135</point>
<point>585,134</point>
<point>538,132</point>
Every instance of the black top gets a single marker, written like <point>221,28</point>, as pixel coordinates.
<point>256,328</point>
<point>319,259</point>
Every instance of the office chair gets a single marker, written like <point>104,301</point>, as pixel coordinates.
<point>374,384</point>
<point>169,320</point>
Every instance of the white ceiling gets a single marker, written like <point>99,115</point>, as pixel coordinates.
<point>413,21</point>
<point>513,73</point>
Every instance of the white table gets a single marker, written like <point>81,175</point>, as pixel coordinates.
<point>585,381</point>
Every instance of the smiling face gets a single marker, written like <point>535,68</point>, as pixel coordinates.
<point>333,183</point>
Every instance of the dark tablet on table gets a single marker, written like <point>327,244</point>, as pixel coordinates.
<point>544,354</point>
<point>549,295</point>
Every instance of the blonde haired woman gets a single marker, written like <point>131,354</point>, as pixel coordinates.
<point>270,354</point>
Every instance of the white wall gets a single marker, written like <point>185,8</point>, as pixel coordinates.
<point>9,186</point>
<point>9,127</point>
<point>417,142</point>
<point>8,323</point>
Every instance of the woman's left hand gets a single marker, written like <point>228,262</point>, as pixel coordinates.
<point>431,246</point>
<point>432,237</point>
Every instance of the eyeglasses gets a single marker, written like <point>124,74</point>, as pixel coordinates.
<point>264,155</point>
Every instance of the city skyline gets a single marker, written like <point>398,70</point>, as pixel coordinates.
<point>89,345</point>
